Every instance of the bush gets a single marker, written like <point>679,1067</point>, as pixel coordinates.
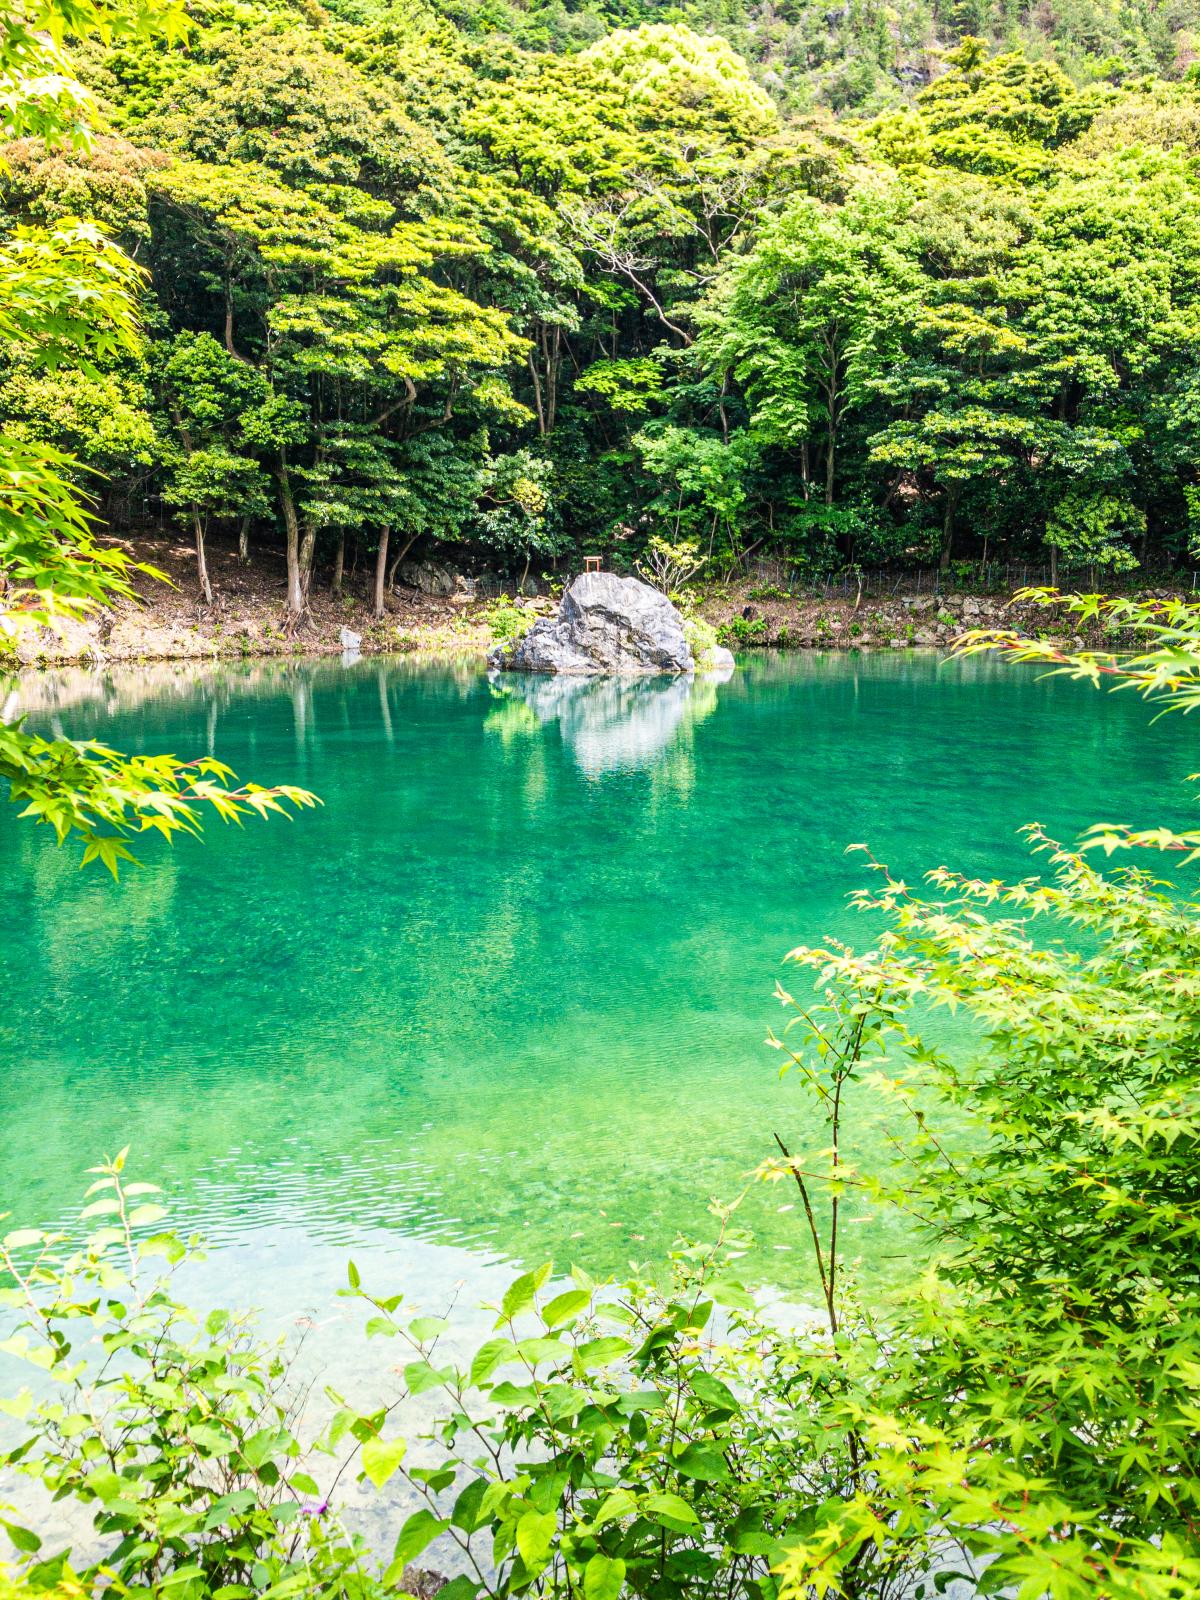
<point>702,640</point>
<point>181,1442</point>
<point>507,620</point>
<point>743,631</point>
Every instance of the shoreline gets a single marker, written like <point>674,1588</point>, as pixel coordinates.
<point>247,621</point>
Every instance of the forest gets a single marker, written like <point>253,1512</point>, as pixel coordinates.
<point>867,288</point>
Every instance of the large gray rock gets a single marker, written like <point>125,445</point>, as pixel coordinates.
<point>604,624</point>
<point>430,577</point>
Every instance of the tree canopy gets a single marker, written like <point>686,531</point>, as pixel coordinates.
<point>531,283</point>
<point>670,266</point>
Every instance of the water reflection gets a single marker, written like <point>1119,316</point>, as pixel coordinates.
<point>507,989</point>
<point>608,724</point>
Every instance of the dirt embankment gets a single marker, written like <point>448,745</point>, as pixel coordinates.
<point>170,621</point>
<point>248,619</point>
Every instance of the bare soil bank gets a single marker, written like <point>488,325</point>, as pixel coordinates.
<point>249,618</point>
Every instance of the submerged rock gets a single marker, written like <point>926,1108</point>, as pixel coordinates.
<point>604,624</point>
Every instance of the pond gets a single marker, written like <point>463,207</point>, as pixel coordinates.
<point>504,997</point>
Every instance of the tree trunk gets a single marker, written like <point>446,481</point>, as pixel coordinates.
<point>291,523</point>
<point>553,361</point>
<point>308,551</point>
<point>380,574</point>
<point>537,396</point>
<point>947,531</point>
<point>197,525</point>
<point>829,464</point>
<point>1054,566</point>
<point>339,566</point>
<point>244,541</point>
<point>397,559</point>
<point>201,559</point>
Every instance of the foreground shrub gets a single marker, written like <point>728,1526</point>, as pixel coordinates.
<point>174,1429</point>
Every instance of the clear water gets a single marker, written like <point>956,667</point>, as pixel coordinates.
<point>504,997</point>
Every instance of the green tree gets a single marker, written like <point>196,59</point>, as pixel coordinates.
<point>808,319</point>
<point>354,325</point>
<point>208,394</point>
<point>66,294</point>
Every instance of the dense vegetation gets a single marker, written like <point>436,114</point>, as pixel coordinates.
<point>506,281</point>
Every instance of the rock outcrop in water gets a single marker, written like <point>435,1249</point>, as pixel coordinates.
<point>606,624</point>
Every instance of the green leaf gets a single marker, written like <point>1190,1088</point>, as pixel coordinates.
<point>713,1392</point>
<point>169,1245</point>
<point>520,1295</point>
<point>619,1503</point>
<point>23,1237</point>
<point>670,1511</point>
<point>488,1357</point>
<point>425,1329</point>
<point>466,1514</point>
<point>565,1306</point>
<point>421,1529</point>
<point>420,1376</point>
<point>732,1294</point>
<point>547,1491</point>
<point>260,1447</point>
<point>602,1352</point>
<point>703,1462</point>
<point>460,1588</point>
<point>538,1350</point>
<point>535,1535</point>
<point>753,1542</point>
<point>603,1577</point>
<point>211,1440</point>
<point>381,1457</point>
<point>25,1540</point>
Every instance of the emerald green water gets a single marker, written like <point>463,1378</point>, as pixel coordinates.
<point>504,997</point>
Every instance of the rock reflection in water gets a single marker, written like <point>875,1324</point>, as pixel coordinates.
<point>612,724</point>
